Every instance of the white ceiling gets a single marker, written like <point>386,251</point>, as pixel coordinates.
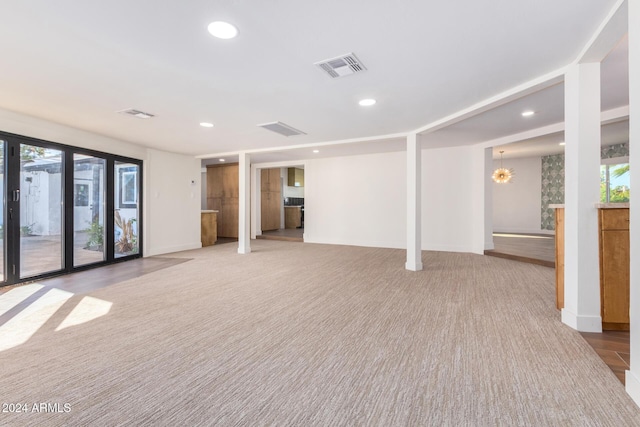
<point>77,63</point>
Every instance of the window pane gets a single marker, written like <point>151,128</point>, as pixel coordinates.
<point>88,209</point>
<point>41,213</point>
<point>126,209</point>
<point>619,183</point>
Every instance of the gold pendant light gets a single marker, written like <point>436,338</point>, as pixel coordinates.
<point>502,175</point>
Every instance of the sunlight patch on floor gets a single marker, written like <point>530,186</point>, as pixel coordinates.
<point>30,318</point>
<point>88,308</point>
<point>15,296</point>
<point>23,325</point>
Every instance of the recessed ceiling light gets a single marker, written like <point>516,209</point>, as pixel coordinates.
<point>562,143</point>
<point>206,125</point>
<point>222,30</point>
<point>367,102</point>
<point>316,151</point>
<point>221,160</point>
<point>528,113</point>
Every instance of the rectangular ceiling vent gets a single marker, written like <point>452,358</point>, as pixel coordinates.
<point>136,113</point>
<point>282,129</point>
<point>341,66</point>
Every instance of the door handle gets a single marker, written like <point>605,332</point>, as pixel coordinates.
<point>16,195</point>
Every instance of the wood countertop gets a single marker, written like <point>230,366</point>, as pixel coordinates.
<point>599,206</point>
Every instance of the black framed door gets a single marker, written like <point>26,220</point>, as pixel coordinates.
<point>34,210</point>
<point>65,208</point>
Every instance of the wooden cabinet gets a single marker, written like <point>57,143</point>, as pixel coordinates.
<point>613,233</point>
<point>614,268</point>
<point>292,217</point>
<point>208,227</point>
<point>295,177</point>
<point>270,199</point>
<point>223,196</point>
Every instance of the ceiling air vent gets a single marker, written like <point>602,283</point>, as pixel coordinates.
<point>282,129</point>
<point>341,66</point>
<point>136,113</point>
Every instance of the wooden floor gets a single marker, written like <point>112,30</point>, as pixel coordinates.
<point>613,349</point>
<point>288,234</point>
<point>86,281</point>
<point>531,248</point>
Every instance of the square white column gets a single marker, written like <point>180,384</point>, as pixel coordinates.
<point>582,191</point>
<point>414,204</point>
<point>244,204</point>
<point>633,375</point>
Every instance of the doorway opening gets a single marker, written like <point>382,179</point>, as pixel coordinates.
<point>282,203</point>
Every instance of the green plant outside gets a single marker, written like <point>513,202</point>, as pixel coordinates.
<point>96,235</point>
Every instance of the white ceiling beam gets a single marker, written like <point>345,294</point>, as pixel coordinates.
<point>615,115</point>
<point>608,34</point>
<point>306,146</point>
<point>521,136</point>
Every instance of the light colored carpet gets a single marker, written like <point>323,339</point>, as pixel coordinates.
<point>316,335</point>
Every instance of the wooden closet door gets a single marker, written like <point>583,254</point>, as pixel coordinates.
<point>270,199</point>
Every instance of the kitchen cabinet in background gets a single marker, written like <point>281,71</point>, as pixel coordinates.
<point>295,177</point>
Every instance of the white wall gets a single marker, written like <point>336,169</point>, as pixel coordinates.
<point>356,200</point>
<point>517,204</point>
<point>361,200</point>
<point>171,209</point>
<point>447,202</point>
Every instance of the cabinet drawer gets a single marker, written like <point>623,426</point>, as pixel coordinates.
<point>614,219</point>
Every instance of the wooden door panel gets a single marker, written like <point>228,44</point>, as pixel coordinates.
<point>231,181</point>
<point>615,276</point>
<point>214,182</point>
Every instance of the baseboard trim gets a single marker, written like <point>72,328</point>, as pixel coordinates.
<point>632,385</point>
<point>582,323</point>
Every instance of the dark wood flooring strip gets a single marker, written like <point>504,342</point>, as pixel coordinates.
<point>520,258</point>
<point>613,348</point>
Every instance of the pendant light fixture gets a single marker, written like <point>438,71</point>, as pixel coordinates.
<point>502,175</point>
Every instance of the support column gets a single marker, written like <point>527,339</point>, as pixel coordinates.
<point>582,191</point>
<point>244,204</point>
<point>488,199</point>
<point>414,204</point>
<point>633,375</point>
<point>482,199</point>
<point>255,202</point>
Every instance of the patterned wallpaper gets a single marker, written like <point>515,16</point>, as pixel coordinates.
<point>552,188</point>
<point>553,181</point>
<point>612,151</point>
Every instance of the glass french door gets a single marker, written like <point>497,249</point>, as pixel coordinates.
<point>39,195</point>
<point>89,190</point>
<point>125,216</point>
<point>64,209</point>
